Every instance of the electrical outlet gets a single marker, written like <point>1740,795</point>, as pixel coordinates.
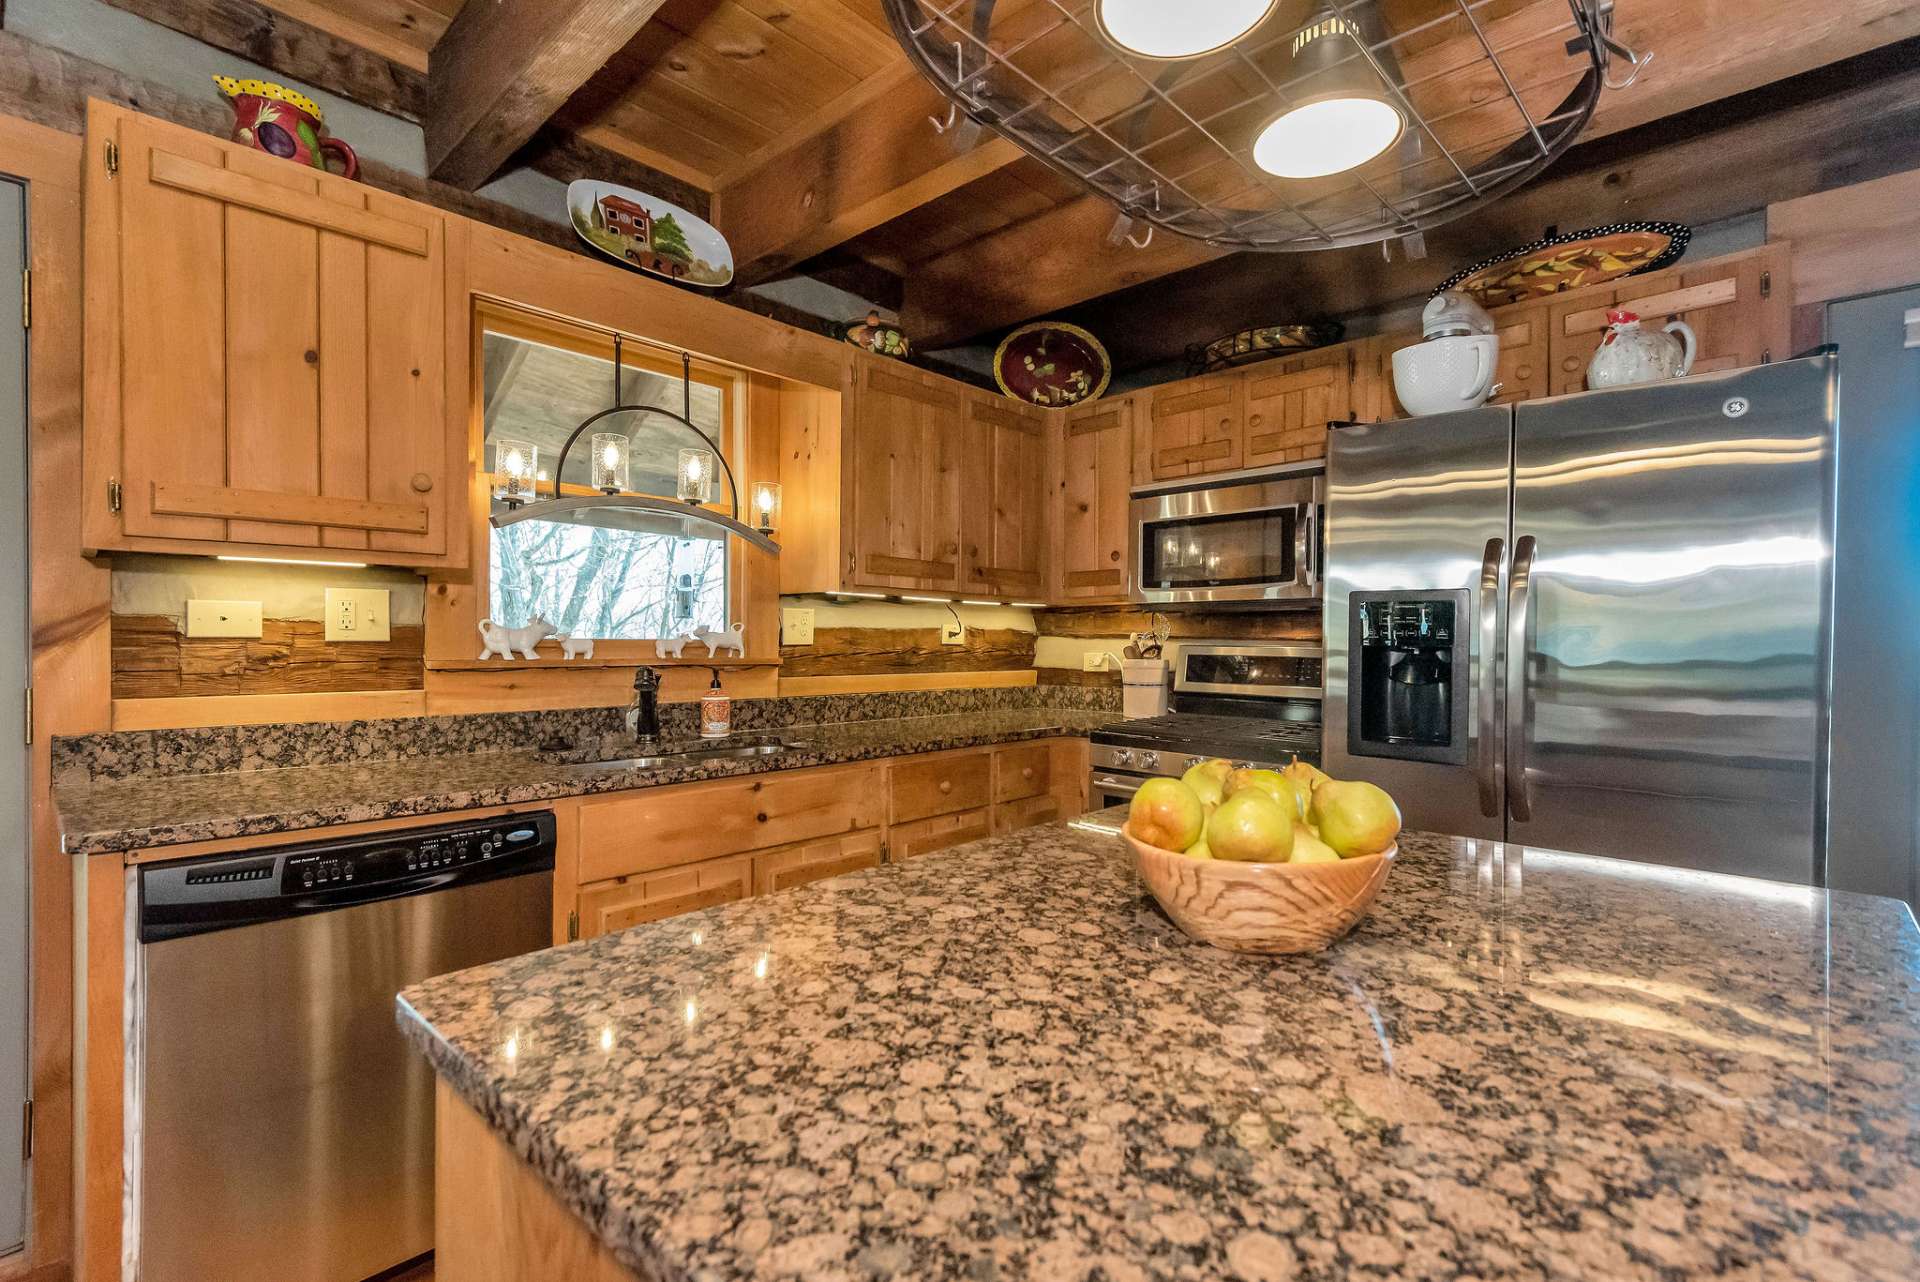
<point>223,618</point>
<point>952,633</point>
<point>358,614</point>
<point>1093,661</point>
<point>796,627</point>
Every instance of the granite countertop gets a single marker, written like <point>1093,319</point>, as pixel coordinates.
<point>1002,1062</point>
<point>109,816</point>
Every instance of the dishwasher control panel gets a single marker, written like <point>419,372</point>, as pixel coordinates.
<point>410,855</point>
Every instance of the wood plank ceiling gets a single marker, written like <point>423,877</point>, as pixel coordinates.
<point>806,124</point>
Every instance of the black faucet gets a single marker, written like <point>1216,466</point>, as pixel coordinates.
<point>643,714</point>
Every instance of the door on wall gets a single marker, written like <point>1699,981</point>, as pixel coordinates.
<point>13,753</point>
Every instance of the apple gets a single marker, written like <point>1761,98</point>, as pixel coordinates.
<point>1355,818</point>
<point>1207,779</point>
<point>1166,813</point>
<point>1251,827</point>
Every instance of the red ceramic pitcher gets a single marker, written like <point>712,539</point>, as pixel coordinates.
<point>286,123</point>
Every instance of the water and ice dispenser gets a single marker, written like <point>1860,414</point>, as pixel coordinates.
<point>1409,665</point>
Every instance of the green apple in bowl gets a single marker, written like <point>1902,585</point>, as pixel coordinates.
<point>1166,813</point>
<point>1251,827</point>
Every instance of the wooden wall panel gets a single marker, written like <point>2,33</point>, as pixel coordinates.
<point>1183,625</point>
<point>846,651</point>
<point>153,659</point>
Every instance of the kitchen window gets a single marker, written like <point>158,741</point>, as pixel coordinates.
<point>626,576</point>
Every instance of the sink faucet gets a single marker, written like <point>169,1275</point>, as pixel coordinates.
<point>643,714</point>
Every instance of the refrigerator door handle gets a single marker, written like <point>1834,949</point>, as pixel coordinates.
<point>1519,615</point>
<point>1491,769</point>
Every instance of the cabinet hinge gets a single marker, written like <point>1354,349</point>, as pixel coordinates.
<point>26,298</point>
<point>113,494</point>
<point>29,738</point>
<point>26,1131</point>
<point>573,925</point>
<point>113,157</point>
<point>1766,284</point>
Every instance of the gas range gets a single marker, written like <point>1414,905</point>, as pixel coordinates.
<point>1255,705</point>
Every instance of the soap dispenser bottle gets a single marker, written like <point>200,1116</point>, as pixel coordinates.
<point>716,710</point>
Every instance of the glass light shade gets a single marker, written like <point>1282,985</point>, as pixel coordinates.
<point>610,462</point>
<point>1327,137</point>
<point>515,463</point>
<point>1162,29</point>
<point>696,476</point>
<point>766,506</point>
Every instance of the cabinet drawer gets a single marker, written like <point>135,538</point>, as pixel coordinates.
<point>940,785</point>
<point>661,827</point>
<point>925,835</point>
<point>1023,771</point>
<point>630,901</point>
<point>1011,816</point>
<point>808,861</point>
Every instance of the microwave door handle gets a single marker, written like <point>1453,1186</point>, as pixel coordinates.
<point>1519,615</point>
<point>1490,771</point>
<point>1303,545</point>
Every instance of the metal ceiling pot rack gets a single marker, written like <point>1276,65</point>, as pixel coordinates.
<point>1486,104</point>
<point>563,505</point>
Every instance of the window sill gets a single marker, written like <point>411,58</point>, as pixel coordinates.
<point>618,661</point>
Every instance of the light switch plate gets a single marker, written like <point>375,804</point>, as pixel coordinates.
<point>223,618</point>
<point>358,614</point>
<point>796,627</point>
<point>952,633</point>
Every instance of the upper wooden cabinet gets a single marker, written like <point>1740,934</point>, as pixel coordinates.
<point>1093,454</point>
<point>908,429</point>
<point>1004,512</point>
<point>1193,427</point>
<point>1290,402</point>
<point>265,355</point>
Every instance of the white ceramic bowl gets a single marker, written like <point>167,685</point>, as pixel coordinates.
<point>1445,374</point>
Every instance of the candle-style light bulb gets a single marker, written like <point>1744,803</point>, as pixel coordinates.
<point>696,476</point>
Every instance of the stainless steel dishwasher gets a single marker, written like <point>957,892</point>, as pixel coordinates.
<point>278,1126</point>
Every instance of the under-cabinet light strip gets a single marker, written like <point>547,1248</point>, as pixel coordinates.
<point>289,560</point>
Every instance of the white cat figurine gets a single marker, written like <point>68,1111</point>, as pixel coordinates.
<point>502,642</point>
<point>732,639</point>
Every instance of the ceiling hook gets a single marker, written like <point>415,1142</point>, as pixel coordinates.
<point>1638,63</point>
<point>959,77</point>
<point>1141,242</point>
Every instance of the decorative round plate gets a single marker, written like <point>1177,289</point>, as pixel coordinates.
<point>1570,261</point>
<point>1051,363</point>
<point>1251,345</point>
<point>875,335</point>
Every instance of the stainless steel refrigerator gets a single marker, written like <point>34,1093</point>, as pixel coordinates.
<point>1598,623</point>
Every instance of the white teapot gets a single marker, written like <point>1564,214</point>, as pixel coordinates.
<point>1629,354</point>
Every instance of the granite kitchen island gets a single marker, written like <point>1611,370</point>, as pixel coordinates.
<point>1002,1062</point>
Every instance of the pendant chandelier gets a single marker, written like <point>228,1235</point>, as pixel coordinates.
<point>1276,125</point>
<point>517,485</point>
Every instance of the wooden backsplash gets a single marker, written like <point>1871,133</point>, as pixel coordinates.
<point>1182,625</point>
<point>873,651</point>
<point>152,659</point>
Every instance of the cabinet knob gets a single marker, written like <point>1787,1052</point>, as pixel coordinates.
<point>1226,424</point>
<point>946,786</point>
<point>1570,364</point>
<point>1113,555</point>
<point>422,483</point>
<point>1253,421</point>
<point>311,357</point>
<point>1026,772</point>
<point>760,817</point>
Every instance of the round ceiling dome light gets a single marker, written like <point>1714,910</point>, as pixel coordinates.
<point>1159,29</point>
<point>1327,137</point>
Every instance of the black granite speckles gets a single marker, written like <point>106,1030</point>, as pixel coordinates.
<point>1003,1062</point>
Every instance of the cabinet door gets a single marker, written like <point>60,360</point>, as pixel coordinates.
<point>1372,394</point>
<point>1095,476</point>
<point>1193,428</point>
<point>941,784</point>
<point>1011,816</point>
<point>923,836</point>
<point>1005,517</point>
<point>277,366</point>
<point>1525,370</point>
<point>909,430</point>
<point>668,892</point>
<point>1739,308</point>
<point>1290,402</point>
<point>815,861</point>
<point>1025,770</point>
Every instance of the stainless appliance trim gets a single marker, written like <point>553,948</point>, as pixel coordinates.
<point>1302,491</point>
<point>1492,769</point>
<point>1519,656</point>
<point>1216,480</point>
<point>1104,781</point>
<point>1182,685</point>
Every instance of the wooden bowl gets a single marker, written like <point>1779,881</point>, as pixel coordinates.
<point>1262,908</point>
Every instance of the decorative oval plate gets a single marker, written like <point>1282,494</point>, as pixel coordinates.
<point>1570,261</point>
<point>649,233</point>
<point>1251,345</point>
<point>1051,363</point>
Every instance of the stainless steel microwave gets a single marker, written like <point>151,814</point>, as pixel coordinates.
<point>1242,537</point>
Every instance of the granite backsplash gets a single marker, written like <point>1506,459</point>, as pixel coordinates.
<point>218,749</point>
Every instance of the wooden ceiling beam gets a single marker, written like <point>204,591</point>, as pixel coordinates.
<point>503,69</point>
<point>1060,258</point>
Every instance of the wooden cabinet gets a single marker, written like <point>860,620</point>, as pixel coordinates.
<point>1028,812</point>
<point>1290,402</point>
<point>941,784</point>
<point>265,353</point>
<point>907,434</point>
<point>1739,307</point>
<point>1023,770</point>
<point>1093,453</point>
<point>1192,428</point>
<point>924,836</point>
<point>665,892</point>
<point>1004,513</point>
<point>796,865</point>
<point>1524,371</point>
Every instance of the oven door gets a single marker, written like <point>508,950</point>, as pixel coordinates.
<point>1112,787</point>
<point>1244,540</point>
